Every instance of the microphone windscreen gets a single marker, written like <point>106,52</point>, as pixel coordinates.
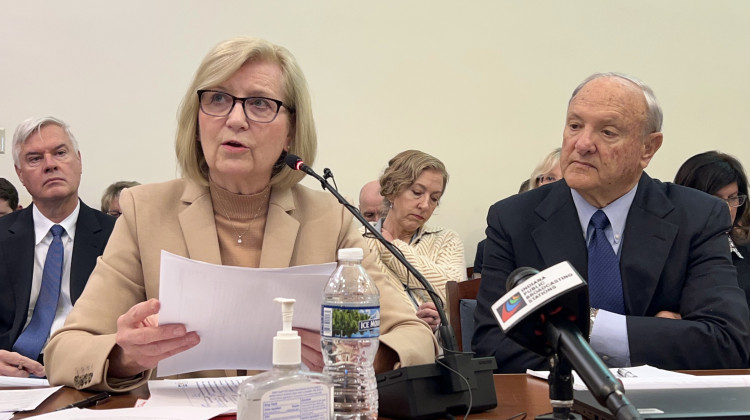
<point>518,276</point>
<point>292,161</point>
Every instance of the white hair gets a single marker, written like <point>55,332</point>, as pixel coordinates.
<point>654,116</point>
<point>34,124</point>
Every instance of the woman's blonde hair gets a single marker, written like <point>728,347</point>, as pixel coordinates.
<point>547,164</point>
<point>218,66</point>
<point>404,169</point>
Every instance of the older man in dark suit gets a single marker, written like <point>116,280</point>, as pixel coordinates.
<point>48,250</point>
<point>662,285</point>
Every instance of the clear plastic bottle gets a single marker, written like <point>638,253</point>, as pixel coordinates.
<point>349,336</point>
<point>286,391</point>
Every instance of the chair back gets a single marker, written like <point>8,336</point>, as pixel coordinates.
<point>461,304</point>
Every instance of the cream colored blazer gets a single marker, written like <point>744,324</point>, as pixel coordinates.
<point>303,227</point>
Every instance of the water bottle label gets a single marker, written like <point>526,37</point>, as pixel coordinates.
<point>350,322</point>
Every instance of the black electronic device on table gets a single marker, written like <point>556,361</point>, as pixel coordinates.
<point>456,383</point>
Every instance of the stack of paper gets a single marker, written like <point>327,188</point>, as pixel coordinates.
<point>157,413</point>
<point>200,392</point>
<point>23,399</point>
<point>10,381</point>
<point>232,310</point>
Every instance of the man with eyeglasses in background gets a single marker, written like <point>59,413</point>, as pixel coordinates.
<point>48,250</point>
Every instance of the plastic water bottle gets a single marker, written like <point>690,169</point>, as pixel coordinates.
<point>349,334</point>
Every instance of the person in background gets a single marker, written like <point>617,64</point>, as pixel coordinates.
<point>8,198</point>
<point>48,249</point>
<point>111,197</point>
<point>722,176</point>
<point>525,186</point>
<point>413,185</point>
<point>662,287</point>
<point>478,258</point>
<point>371,202</point>
<point>545,172</point>
<point>236,204</point>
<point>744,220</point>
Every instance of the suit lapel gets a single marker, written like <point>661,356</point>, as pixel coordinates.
<point>19,245</point>
<point>198,224</point>
<point>281,230</point>
<point>647,240</point>
<point>559,237</point>
<point>89,243</point>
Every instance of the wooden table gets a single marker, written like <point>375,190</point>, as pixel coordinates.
<point>515,394</point>
<point>67,396</point>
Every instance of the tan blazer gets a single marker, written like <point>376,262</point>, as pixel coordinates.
<point>303,227</point>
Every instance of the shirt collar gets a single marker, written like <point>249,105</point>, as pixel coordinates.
<point>42,224</point>
<point>616,211</point>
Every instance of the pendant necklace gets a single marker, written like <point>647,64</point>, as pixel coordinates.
<point>231,222</point>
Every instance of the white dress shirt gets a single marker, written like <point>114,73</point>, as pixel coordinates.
<point>609,337</point>
<point>42,241</point>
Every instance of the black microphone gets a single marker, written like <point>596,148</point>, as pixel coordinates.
<point>294,162</point>
<point>546,313</point>
<point>456,383</point>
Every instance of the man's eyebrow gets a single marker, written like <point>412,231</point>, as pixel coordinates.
<point>36,152</point>
<point>572,115</point>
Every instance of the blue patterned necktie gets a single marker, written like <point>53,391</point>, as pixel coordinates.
<point>33,338</point>
<point>605,283</point>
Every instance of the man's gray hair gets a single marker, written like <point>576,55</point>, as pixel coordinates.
<point>654,116</point>
<point>34,124</point>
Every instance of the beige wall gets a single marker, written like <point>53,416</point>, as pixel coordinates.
<point>483,85</point>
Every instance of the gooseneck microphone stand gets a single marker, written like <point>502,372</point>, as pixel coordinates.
<point>457,382</point>
<point>447,335</point>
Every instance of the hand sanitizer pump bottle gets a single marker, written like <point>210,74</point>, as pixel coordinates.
<point>286,391</point>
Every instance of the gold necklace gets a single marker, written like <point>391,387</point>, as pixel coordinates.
<point>257,212</point>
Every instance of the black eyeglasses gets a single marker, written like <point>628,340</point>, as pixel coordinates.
<point>257,108</point>
<point>545,179</point>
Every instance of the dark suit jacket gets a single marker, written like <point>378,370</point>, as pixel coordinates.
<point>17,263</point>
<point>743,269</point>
<point>674,257</point>
<point>479,256</point>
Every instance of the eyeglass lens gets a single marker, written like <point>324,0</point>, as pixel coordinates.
<point>545,179</point>
<point>736,201</point>
<point>220,104</point>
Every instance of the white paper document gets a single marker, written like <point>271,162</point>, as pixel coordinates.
<point>649,377</point>
<point>195,392</point>
<point>24,399</point>
<point>157,413</point>
<point>19,382</point>
<point>232,310</point>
